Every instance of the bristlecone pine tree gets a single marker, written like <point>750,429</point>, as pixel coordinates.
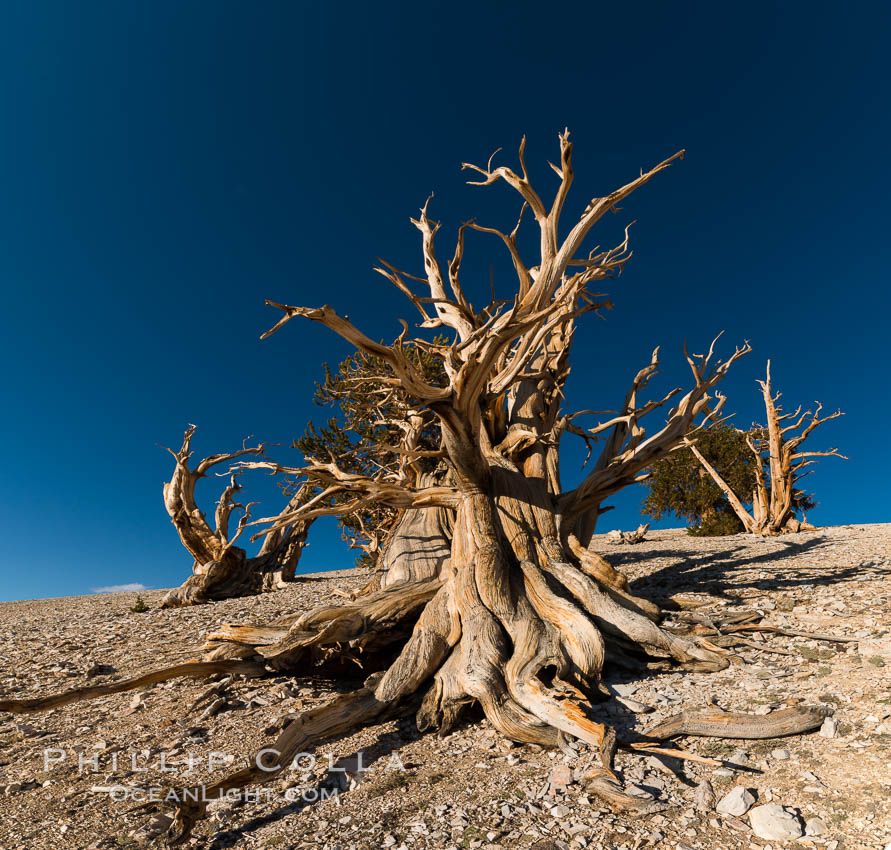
<point>777,447</point>
<point>506,609</point>
<point>679,485</point>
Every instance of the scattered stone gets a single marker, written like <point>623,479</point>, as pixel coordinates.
<point>704,797</point>
<point>634,706</point>
<point>739,757</point>
<point>659,766</point>
<point>814,826</point>
<point>561,777</point>
<point>780,755</point>
<point>829,729</point>
<point>156,826</point>
<point>636,790</point>
<point>736,802</point>
<point>214,708</point>
<point>775,823</point>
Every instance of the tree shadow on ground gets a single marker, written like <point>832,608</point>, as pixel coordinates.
<point>307,795</point>
<point>736,568</point>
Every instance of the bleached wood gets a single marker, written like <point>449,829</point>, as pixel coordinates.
<point>221,569</point>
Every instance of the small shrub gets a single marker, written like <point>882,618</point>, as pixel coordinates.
<point>139,607</point>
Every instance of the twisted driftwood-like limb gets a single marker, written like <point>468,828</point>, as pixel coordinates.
<point>602,781</point>
<point>191,669</point>
<point>629,537</point>
<point>733,724</point>
<point>357,635</point>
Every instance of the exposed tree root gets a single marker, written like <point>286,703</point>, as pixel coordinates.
<point>194,669</point>
<point>602,781</point>
<point>527,646</point>
<point>331,638</point>
<point>776,630</point>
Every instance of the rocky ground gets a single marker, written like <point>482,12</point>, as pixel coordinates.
<point>471,789</point>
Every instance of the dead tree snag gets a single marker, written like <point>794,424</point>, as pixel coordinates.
<point>221,569</point>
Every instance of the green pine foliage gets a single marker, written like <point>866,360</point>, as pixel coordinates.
<point>361,430</point>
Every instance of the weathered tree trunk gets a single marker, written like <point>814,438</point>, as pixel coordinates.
<point>419,548</point>
<point>418,545</point>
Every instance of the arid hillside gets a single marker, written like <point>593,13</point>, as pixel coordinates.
<point>472,789</point>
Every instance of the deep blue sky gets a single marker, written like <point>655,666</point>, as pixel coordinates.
<point>166,166</point>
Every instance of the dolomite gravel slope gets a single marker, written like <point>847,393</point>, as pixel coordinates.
<point>470,789</point>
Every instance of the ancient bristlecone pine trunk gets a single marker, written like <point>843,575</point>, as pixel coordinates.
<point>221,569</point>
<point>777,444</point>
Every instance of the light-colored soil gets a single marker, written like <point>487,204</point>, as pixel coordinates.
<point>470,789</point>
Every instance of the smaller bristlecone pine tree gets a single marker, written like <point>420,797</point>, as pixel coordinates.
<point>679,485</point>
<point>222,570</point>
<point>776,447</point>
<point>377,427</point>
